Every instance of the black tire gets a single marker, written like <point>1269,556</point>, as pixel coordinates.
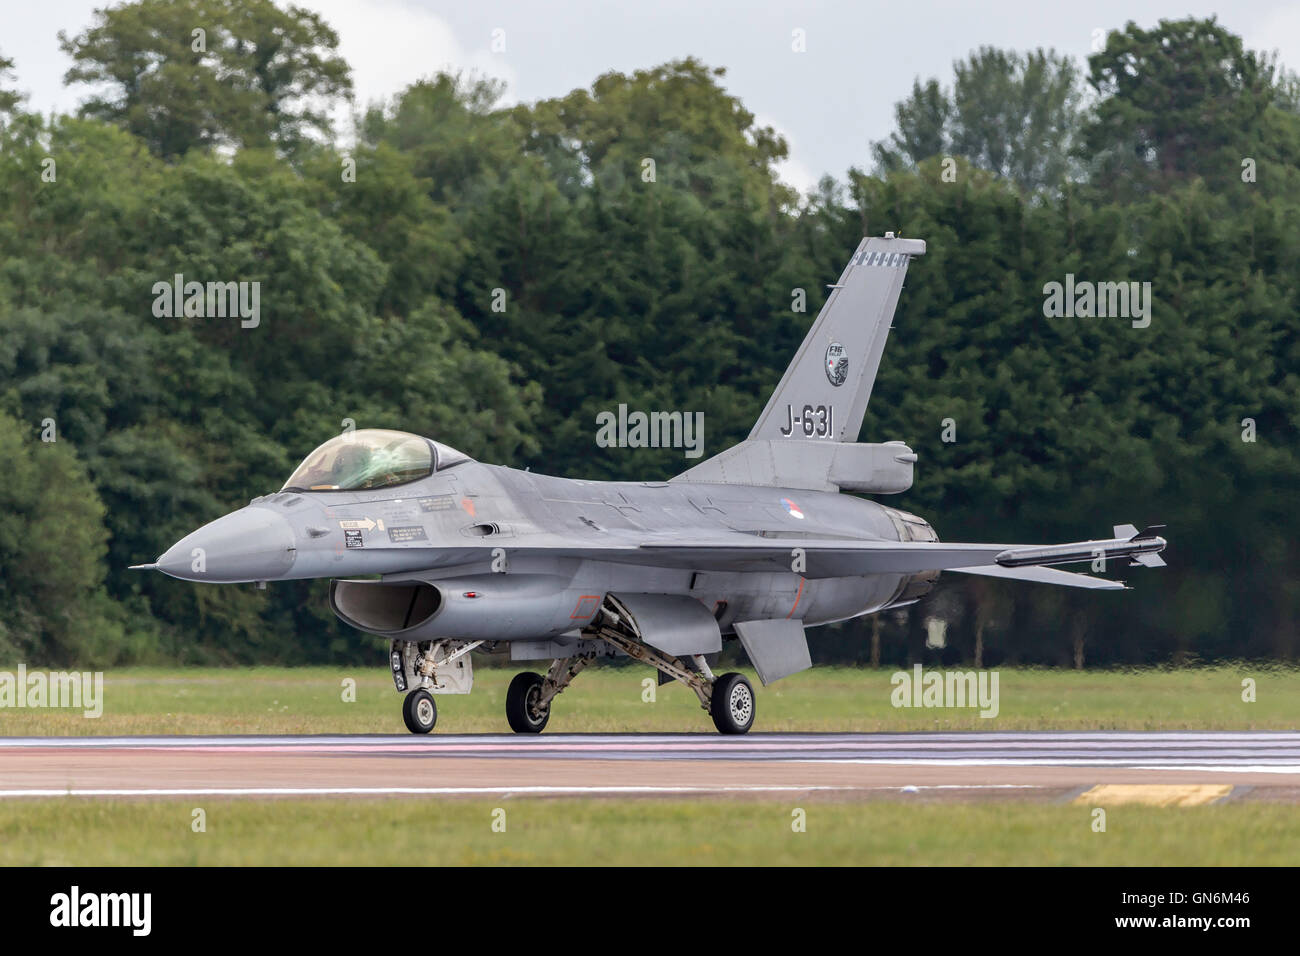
<point>732,704</point>
<point>419,711</point>
<point>520,710</point>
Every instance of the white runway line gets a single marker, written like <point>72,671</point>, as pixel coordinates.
<point>1218,768</point>
<point>1252,752</point>
<point>1050,762</point>
<point>756,742</point>
<point>474,791</point>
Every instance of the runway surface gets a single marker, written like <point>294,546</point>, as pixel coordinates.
<point>1045,765</point>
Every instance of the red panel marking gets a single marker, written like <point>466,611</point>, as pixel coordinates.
<point>585,607</point>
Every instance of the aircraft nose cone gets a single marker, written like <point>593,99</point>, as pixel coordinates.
<point>252,544</point>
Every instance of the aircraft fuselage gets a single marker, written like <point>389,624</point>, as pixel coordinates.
<point>418,532</point>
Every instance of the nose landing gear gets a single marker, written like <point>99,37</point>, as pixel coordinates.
<point>419,711</point>
<point>422,668</point>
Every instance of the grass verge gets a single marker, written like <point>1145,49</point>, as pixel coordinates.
<point>636,832</point>
<point>612,699</point>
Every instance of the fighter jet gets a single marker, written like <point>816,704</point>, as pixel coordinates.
<point>442,555</point>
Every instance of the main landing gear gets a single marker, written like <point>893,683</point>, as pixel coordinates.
<point>528,699</point>
<point>524,708</point>
<point>728,699</point>
<point>732,704</point>
<point>419,669</point>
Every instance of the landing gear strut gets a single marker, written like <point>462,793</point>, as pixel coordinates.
<point>729,699</point>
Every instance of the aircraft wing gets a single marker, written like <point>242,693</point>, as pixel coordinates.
<point>820,557</point>
<point>837,557</point>
<point>1044,576</point>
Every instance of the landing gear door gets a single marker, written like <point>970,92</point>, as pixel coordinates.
<point>673,623</point>
<point>441,668</point>
<point>776,648</point>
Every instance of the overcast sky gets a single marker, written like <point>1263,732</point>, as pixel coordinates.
<point>830,102</point>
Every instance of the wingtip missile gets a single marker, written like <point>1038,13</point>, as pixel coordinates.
<point>1140,547</point>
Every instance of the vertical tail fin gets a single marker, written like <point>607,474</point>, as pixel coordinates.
<point>824,393</point>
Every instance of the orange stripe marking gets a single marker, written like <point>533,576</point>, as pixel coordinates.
<point>798,594</point>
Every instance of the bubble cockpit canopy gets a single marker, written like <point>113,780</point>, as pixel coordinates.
<point>371,458</point>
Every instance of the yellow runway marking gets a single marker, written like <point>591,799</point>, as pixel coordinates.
<point>1155,794</point>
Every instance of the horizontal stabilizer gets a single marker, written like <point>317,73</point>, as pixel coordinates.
<point>1044,576</point>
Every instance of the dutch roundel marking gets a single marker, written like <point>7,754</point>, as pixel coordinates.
<point>791,508</point>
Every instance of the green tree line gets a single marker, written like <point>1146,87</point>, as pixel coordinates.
<point>494,276</point>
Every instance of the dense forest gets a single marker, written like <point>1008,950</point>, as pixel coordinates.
<point>494,277</point>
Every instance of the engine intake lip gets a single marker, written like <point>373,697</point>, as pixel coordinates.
<point>382,607</point>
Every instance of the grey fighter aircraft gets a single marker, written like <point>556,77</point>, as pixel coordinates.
<point>441,554</point>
